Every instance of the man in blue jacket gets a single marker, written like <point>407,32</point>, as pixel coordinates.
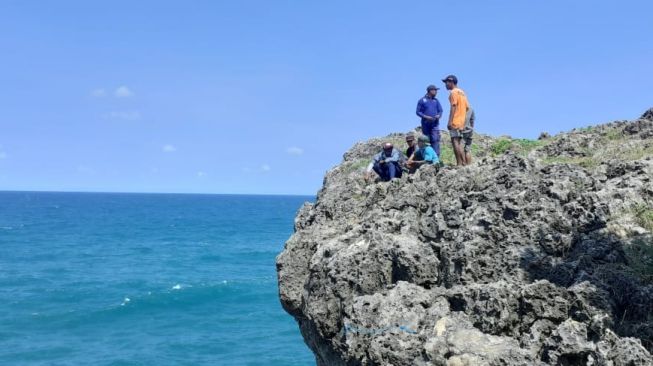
<point>430,111</point>
<point>385,164</point>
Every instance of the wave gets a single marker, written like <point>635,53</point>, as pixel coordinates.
<point>235,298</point>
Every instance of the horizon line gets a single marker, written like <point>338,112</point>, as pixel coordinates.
<point>161,193</point>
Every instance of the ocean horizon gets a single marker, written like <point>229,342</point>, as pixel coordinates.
<point>112,278</point>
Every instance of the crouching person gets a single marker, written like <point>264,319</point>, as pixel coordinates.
<point>423,155</point>
<point>385,164</point>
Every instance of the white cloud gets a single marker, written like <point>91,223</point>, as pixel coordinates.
<point>294,150</point>
<point>265,168</point>
<point>98,93</point>
<point>123,92</point>
<point>126,115</point>
<point>169,148</point>
<point>201,174</point>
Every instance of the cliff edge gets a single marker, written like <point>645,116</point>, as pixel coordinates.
<point>539,253</point>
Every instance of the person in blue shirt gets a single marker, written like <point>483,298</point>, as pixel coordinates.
<point>424,155</point>
<point>429,110</point>
<point>386,163</point>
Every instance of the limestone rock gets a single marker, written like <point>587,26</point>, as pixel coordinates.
<point>530,258</point>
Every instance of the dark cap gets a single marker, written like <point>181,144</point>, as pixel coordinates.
<point>452,78</point>
<point>431,87</point>
<point>387,146</point>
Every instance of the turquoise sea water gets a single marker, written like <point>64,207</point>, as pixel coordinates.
<point>144,279</point>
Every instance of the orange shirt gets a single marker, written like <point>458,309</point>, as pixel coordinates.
<point>459,99</point>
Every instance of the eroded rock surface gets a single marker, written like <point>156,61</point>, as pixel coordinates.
<point>522,258</point>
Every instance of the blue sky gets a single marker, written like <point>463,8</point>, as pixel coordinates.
<point>265,96</point>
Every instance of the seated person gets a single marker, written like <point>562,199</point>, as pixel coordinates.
<point>424,155</point>
<point>386,163</point>
<point>412,145</point>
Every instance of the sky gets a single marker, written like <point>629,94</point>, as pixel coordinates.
<point>263,97</point>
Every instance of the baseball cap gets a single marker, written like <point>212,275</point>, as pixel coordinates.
<point>432,87</point>
<point>451,78</point>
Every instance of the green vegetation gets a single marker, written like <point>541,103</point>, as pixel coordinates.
<point>520,146</point>
<point>613,134</point>
<point>644,216</point>
<point>355,165</point>
<point>636,153</point>
<point>639,252</point>
<point>500,146</point>
<point>446,153</point>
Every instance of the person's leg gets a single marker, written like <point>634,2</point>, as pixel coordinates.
<point>468,157</point>
<point>426,128</point>
<point>467,138</point>
<point>392,170</point>
<point>458,151</point>
<point>385,171</point>
<point>435,140</point>
<point>378,168</point>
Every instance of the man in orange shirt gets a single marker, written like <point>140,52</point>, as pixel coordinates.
<point>456,124</point>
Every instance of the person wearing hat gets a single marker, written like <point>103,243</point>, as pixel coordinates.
<point>456,125</point>
<point>429,110</point>
<point>385,163</point>
<point>412,145</point>
<point>424,155</point>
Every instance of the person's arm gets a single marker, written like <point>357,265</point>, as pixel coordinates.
<point>420,110</point>
<point>438,108</point>
<point>472,119</point>
<point>411,157</point>
<point>453,99</point>
<point>451,113</point>
<point>377,158</point>
<point>370,167</point>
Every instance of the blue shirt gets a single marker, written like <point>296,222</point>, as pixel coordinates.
<point>428,107</point>
<point>429,154</point>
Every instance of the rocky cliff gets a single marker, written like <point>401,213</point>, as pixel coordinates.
<point>541,252</point>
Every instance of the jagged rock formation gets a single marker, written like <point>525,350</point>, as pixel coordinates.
<point>541,252</point>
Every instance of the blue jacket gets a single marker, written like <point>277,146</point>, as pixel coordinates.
<point>428,107</point>
<point>395,156</point>
<point>429,154</point>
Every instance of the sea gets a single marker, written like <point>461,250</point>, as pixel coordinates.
<point>145,279</point>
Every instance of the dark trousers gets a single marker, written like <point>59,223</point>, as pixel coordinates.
<point>387,171</point>
<point>432,130</point>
